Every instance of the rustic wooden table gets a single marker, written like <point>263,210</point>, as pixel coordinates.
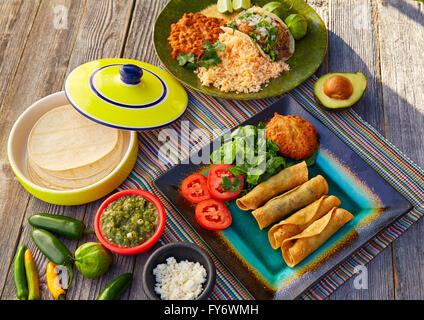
<point>41,41</point>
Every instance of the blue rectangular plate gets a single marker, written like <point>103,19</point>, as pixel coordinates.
<point>245,249</point>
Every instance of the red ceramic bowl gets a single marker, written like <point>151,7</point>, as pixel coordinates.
<point>145,246</point>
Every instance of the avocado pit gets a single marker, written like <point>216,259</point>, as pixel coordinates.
<point>338,87</point>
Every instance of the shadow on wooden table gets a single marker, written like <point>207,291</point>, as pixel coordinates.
<point>407,9</point>
<point>393,116</point>
<point>381,106</point>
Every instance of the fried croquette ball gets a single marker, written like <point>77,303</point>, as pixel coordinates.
<point>295,137</point>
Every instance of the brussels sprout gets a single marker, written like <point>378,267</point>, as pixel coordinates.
<point>298,25</point>
<point>92,259</point>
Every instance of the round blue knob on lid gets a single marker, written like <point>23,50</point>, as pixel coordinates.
<point>130,73</point>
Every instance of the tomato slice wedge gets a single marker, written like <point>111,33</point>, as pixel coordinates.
<point>213,215</point>
<point>215,180</point>
<point>195,188</point>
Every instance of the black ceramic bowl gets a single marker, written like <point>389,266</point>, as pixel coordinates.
<point>180,251</point>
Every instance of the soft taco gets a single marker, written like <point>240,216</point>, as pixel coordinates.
<point>269,33</point>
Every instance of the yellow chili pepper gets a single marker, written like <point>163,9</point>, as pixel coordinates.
<point>32,276</point>
<point>53,282</point>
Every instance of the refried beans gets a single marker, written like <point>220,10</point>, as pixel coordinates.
<point>190,32</point>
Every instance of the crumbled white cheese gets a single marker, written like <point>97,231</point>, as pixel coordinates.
<point>179,281</point>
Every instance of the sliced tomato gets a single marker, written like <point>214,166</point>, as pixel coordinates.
<point>212,214</point>
<point>216,174</point>
<point>195,188</point>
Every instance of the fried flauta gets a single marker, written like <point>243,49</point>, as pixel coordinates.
<point>279,207</point>
<point>300,220</point>
<point>297,248</point>
<point>286,179</point>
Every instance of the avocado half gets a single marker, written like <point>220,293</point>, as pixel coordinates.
<point>340,90</point>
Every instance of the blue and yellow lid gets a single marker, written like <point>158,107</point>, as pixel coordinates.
<point>126,94</point>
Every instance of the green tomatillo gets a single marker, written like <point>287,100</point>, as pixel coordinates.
<point>298,25</point>
<point>92,259</point>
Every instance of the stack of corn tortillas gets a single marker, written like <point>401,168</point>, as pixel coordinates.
<point>68,151</point>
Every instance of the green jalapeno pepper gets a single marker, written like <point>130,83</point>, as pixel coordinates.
<point>54,250</point>
<point>115,288</point>
<point>61,225</point>
<point>19,276</point>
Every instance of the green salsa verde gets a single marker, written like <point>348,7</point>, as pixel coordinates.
<point>129,221</point>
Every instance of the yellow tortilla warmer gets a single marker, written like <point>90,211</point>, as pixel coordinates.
<point>17,155</point>
<point>121,93</point>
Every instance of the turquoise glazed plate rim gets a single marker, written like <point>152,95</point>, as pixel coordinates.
<point>309,54</point>
<point>245,249</point>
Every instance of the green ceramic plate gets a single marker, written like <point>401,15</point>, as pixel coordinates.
<point>310,50</point>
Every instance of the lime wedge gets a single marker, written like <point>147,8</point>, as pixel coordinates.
<point>239,5</point>
<point>224,6</point>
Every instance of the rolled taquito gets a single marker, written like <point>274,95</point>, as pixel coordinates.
<point>297,248</point>
<point>300,220</point>
<point>282,205</point>
<point>286,179</point>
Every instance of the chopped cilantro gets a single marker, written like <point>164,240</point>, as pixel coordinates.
<point>232,25</point>
<point>186,60</point>
<point>246,16</point>
<point>229,185</point>
<point>210,58</point>
<point>219,46</point>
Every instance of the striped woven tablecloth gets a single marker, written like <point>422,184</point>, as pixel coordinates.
<point>218,115</point>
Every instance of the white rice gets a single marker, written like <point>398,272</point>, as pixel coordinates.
<point>243,68</point>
